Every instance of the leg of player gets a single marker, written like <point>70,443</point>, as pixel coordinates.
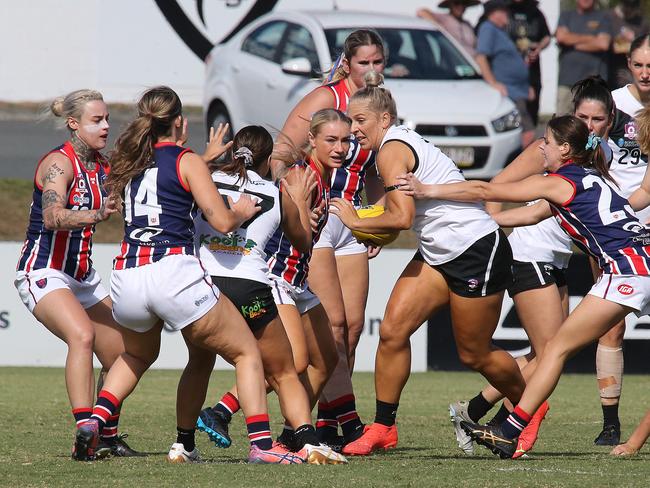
<point>324,282</point>
<point>636,440</point>
<point>419,292</point>
<point>294,403</point>
<point>540,329</point>
<point>609,372</point>
<point>223,331</point>
<point>190,395</point>
<point>63,315</point>
<point>590,320</point>
<point>140,351</point>
<point>474,321</point>
<point>353,272</point>
<point>108,347</point>
<point>323,355</point>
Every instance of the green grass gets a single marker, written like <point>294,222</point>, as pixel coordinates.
<point>37,432</point>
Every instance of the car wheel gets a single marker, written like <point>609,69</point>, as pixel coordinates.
<point>218,114</point>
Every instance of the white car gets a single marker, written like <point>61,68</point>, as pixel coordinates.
<point>258,76</point>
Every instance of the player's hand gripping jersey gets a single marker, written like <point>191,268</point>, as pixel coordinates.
<point>240,253</point>
<point>283,259</point>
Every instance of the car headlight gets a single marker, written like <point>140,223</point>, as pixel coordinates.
<point>509,121</point>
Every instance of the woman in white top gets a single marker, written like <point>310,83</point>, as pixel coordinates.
<point>629,163</point>
<point>236,262</point>
<point>463,261</point>
<point>642,432</point>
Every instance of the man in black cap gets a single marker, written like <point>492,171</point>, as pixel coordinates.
<point>501,64</point>
<point>453,22</point>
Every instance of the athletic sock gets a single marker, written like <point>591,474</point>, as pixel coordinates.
<point>259,431</point>
<point>109,432</point>
<point>186,437</point>
<point>501,416</point>
<point>345,410</point>
<point>305,434</point>
<point>515,423</point>
<point>106,406</point>
<point>610,415</point>
<point>81,415</point>
<point>478,407</point>
<point>228,405</point>
<point>386,413</point>
<point>326,424</point>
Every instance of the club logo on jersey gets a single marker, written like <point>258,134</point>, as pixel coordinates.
<point>630,130</point>
<point>472,284</point>
<point>42,283</point>
<point>145,234</point>
<point>625,289</point>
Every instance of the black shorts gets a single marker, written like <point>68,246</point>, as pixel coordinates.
<point>483,269</point>
<point>531,276</point>
<point>252,298</point>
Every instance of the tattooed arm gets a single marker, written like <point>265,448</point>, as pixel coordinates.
<point>55,176</point>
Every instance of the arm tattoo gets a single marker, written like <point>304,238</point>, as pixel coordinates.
<point>50,198</point>
<point>55,216</point>
<point>51,174</point>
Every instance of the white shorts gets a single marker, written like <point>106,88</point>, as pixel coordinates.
<point>630,290</point>
<point>285,294</point>
<point>176,289</point>
<point>32,286</point>
<point>337,236</point>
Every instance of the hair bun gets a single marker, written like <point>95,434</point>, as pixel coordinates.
<point>57,106</point>
<point>373,79</point>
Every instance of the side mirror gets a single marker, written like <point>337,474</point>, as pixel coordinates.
<point>297,66</point>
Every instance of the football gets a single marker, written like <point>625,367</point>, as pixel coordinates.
<point>376,239</point>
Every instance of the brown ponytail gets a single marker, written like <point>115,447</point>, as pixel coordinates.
<point>157,109</point>
<point>585,147</point>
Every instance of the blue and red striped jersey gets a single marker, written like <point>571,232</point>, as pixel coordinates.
<point>601,222</point>
<point>66,250</point>
<point>159,211</point>
<point>348,180</point>
<point>283,259</point>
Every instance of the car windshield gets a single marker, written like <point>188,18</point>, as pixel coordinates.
<point>413,54</point>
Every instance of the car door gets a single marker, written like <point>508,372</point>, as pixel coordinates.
<point>257,74</point>
<point>298,42</point>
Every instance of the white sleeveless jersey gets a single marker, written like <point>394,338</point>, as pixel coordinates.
<point>543,242</point>
<point>628,164</point>
<point>240,253</point>
<point>445,229</point>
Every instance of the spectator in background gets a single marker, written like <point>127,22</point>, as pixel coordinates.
<point>501,64</point>
<point>453,22</point>
<point>627,24</point>
<point>584,36</point>
<point>529,31</point>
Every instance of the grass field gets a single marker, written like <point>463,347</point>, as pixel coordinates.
<point>37,431</point>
